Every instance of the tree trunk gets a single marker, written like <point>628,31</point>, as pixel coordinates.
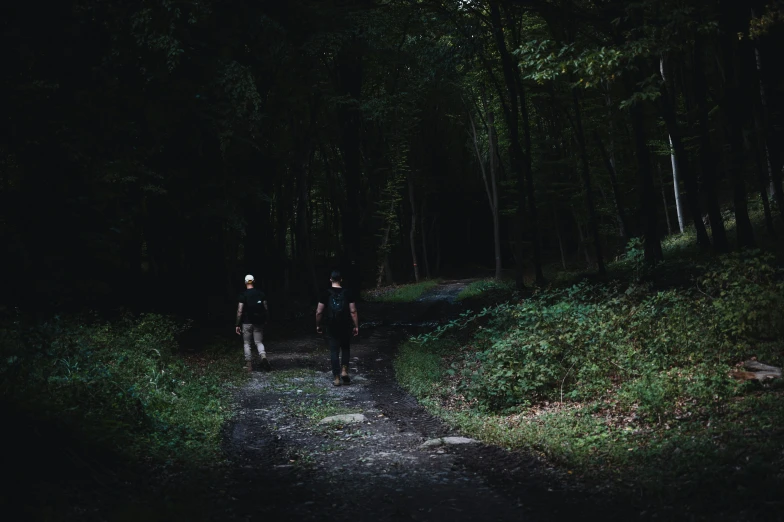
<point>681,166</point>
<point>707,159</point>
<point>349,76</point>
<point>424,237</point>
<point>664,199</point>
<point>518,160</point>
<point>438,250</point>
<point>762,182</point>
<point>491,184</point>
<point>412,235</point>
<point>529,185</point>
<point>583,245</point>
<point>494,192</point>
<point>383,266</point>
<point>676,186</point>
<point>772,149</point>
<point>652,242</point>
<point>560,239</point>
<point>733,106</point>
<point>593,221</point>
<point>675,177</point>
<point>760,159</point>
<point>609,163</point>
<point>608,155</point>
<point>303,224</point>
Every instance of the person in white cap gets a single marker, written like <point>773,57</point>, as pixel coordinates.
<point>251,316</point>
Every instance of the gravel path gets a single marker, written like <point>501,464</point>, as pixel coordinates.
<point>289,467</point>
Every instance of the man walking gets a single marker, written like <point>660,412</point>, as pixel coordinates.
<point>251,316</point>
<point>342,320</point>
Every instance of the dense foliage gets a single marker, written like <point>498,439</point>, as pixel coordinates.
<point>125,385</point>
<point>154,142</point>
<point>624,383</point>
<point>652,350</point>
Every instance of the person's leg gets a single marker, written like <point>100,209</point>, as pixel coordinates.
<point>258,337</point>
<point>334,353</point>
<point>345,356</point>
<point>247,338</point>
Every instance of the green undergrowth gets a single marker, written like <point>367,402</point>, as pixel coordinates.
<point>400,293</point>
<point>124,385</point>
<point>621,383</point>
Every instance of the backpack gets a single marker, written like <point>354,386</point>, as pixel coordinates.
<point>254,302</point>
<point>337,309</point>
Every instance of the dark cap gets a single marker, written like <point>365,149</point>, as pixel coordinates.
<point>335,275</point>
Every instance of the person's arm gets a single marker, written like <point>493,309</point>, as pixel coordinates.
<point>239,318</point>
<point>354,317</point>
<point>319,314</point>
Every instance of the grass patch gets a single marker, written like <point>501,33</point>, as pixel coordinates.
<point>487,289</point>
<point>400,293</point>
<point>306,394</point>
<point>624,384</point>
<point>123,385</point>
<point>314,409</point>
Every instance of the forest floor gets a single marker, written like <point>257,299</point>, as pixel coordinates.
<point>282,463</point>
<point>285,465</point>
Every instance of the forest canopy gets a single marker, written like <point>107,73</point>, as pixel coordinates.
<point>158,144</point>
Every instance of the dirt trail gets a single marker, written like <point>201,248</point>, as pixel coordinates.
<point>291,468</point>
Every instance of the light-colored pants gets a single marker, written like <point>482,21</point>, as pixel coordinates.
<point>253,333</point>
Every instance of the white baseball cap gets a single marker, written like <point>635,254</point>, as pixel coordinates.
<point>248,278</point>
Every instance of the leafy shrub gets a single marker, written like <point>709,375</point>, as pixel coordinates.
<point>658,347</point>
<point>747,294</point>
<point>120,383</point>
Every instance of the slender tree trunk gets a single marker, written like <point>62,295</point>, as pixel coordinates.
<point>681,166</point>
<point>514,135</point>
<point>609,163</point>
<point>664,199</point>
<point>675,175</point>
<point>349,78</point>
<point>424,238</point>
<point>383,266</point>
<point>438,250</point>
<point>676,187</point>
<point>762,182</point>
<point>652,242</point>
<point>707,159</point>
<point>491,184</point>
<point>608,156</point>
<point>758,144</point>
<point>412,235</point>
<point>560,238</point>
<point>303,224</point>
<point>733,107</point>
<point>494,192</point>
<point>584,240</point>
<point>593,221</point>
<point>772,149</point>
<point>529,185</point>
<point>389,278</point>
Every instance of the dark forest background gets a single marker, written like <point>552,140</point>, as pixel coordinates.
<point>154,152</point>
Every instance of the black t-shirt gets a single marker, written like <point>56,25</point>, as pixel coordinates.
<point>341,329</point>
<point>253,310</point>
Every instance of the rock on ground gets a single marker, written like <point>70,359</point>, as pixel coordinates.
<point>346,418</point>
<point>448,441</point>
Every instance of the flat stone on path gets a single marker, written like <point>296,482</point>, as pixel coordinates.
<point>347,418</point>
<point>447,441</point>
